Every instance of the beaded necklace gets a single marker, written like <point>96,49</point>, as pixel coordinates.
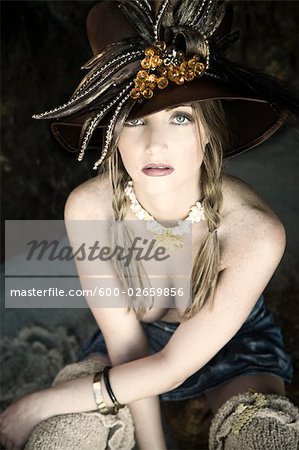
<point>170,238</point>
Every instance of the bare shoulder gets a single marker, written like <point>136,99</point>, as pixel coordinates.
<point>249,223</point>
<point>90,200</point>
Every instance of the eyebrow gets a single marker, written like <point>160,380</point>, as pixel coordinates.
<point>178,106</point>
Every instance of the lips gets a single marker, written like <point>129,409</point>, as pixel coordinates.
<point>157,172</point>
<point>157,166</point>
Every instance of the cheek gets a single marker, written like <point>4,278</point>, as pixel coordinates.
<point>123,143</point>
<point>125,147</point>
<point>129,142</point>
<point>190,147</point>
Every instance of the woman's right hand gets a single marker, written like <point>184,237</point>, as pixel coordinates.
<point>19,419</point>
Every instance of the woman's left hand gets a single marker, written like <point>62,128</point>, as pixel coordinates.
<point>19,419</point>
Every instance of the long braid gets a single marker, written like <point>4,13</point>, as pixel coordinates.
<point>132,275</point>
<point>206,265</point>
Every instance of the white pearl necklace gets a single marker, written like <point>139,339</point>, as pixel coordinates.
<point>171,238</point>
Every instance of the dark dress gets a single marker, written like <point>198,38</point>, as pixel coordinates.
<point>257,347</point>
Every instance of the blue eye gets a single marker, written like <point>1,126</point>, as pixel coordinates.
<point>181,119</point>
<point>134,123</point>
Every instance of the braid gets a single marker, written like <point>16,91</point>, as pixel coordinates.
<point>118,178</point>
<point>132,275</point>
<point>206,265</point>
<point>211,187</point>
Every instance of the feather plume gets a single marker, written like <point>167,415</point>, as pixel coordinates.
<point>81,102</point>
<point>91,123</point>
<point>121,112</point>
<point>210,18</point>
<point>165,5</point>
<point>110,52</point>
<point>189,11</point>
<point>225,42</point>
<point>87,129</point>
<point>138,16</point>
<point>109,69</point>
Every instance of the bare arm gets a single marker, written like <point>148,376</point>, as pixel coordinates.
<point>126,341</point>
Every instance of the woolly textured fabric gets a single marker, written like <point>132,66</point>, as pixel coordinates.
<point>30,360</point>
<point>88,431</point>
<point>274,426</point>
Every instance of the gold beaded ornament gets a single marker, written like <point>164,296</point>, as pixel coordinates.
<point>161,65</point>
<point>245,412</point>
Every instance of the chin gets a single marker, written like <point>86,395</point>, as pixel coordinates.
<point>159,185</point>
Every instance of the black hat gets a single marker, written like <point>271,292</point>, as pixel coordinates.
<point>144,63</point>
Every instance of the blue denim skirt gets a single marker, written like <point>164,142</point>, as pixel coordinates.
<point>257,347</point>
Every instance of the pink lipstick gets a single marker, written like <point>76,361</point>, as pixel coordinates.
<point>157,169</point>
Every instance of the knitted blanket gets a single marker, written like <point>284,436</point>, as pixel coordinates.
<point>85,431</point>
<point>32,358</point>
<point>254,421</point>
<point>30,361</point>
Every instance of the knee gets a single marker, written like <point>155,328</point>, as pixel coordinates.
<point>254,421</point>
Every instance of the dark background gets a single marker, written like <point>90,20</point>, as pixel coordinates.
<point>43,47</point>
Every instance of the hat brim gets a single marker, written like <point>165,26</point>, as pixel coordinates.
<point>251,120</point>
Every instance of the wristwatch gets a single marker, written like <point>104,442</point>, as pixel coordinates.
<point>102,407</point>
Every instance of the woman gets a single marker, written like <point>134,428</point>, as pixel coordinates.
<point>167,97</point>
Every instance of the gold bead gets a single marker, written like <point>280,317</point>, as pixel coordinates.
<point>150,51</point>
<point>147,93</point>
<point>151,81</point>
<point>191,63</point>
<point>142,75</point>
<point>199,69</point>
<point>162,83</point>
<point>155,61</point>
<point>151,85</point>
<point>183,66</point>
<point>179,80</point>
<point>139,84</point>
<point>189,76</point>
<point>152,78</point>
<point>173,73</point>
<point>162,71</point>
<point>146,63</point>
<point>135,94</point>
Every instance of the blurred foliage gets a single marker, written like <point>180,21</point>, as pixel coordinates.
<point>43,47</point>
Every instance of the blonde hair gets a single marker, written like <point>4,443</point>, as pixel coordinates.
<point>205,269</point>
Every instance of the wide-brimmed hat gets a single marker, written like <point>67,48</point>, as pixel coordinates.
<point>144,63</point>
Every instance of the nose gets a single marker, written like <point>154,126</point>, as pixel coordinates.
<point>155,141</point>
